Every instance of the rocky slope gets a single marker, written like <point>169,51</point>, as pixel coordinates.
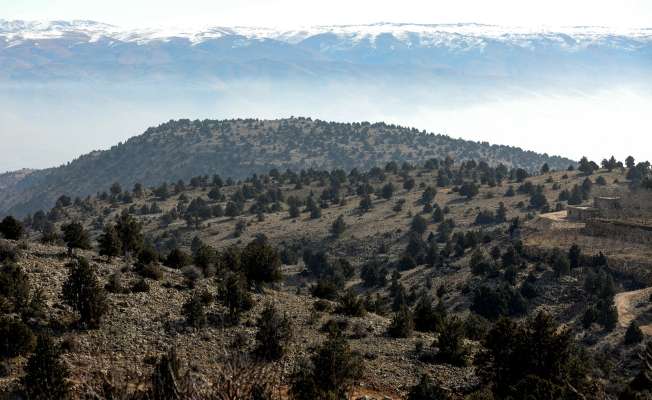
<point>140,326</point>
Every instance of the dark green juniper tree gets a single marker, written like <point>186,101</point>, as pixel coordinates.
<point>83,293</point>
<point>11,228</point>
<point>109,242</point>
<point>76,237</point>
<point>329,374</point>
<point>338,227</point>
<point>46,376</point>
<point>273,334</point>
<point>234,295</point>
<point>130,234</point>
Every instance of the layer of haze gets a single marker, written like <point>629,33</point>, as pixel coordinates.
<point>48,125</point>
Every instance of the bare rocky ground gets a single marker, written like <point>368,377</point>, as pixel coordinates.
<point>141,326</point>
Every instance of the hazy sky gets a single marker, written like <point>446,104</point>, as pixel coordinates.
<point>288,13</point>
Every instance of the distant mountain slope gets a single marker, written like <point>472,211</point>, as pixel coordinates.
<point>237,148</point>
<point>9,179</point>
<point>87,49</point>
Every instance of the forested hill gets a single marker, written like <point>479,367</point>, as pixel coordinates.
<point>237,148</point>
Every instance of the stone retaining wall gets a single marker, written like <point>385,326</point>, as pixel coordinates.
<point>620,230</point>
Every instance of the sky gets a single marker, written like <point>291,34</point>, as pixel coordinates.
<point>292,13</point>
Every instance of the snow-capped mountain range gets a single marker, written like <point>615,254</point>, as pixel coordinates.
<point>59,48</point>
<point>430,35</point>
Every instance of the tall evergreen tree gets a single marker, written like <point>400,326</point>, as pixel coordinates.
<point>273,333</point>
<point>469,190</point>
<point>402,324</point>
<point>586,167</point>
<point>11,228</point>
<point>338,227</point>
<point>427,390</point>
<point>76,237</point>
<point>428,195</point>
<point>84,294</point>
<point>451,343</point>
<point>46,376</point>
<point>260,263</point>
<point>330,373</point>
<point>532,357</point>
<point>640,388</point>
<point>234,295</point>
<point>634,334</point>
<point>387,191</point>
<point>426,317</point>
<point>501,213</point>
<point>545,168</point>
<point>193,309</point>
<point>130,233</point>
<point>109,242</point>
<point>418,225</point>
<point>365,203</point>
<point>574,256</point>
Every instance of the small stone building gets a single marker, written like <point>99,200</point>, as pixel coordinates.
<point>607,205</point>
<point>603,207</point>
<point>580,213</point>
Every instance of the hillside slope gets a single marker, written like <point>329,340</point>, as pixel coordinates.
<point>379,255</point>
<point>237,148</point>
<point>9,179</point>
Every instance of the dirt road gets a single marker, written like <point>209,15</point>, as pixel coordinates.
<point>630,305</point>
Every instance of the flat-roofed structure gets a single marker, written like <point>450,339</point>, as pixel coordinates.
<point>582,213</point>
<point>607,203</point>
<point>603,207</point>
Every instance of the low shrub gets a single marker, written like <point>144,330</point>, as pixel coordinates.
<point>402,324</point>
<point>350,304</point>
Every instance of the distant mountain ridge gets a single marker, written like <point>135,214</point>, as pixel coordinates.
<point>431,35</point>
<point>238,148</point>
<point>88,49</point>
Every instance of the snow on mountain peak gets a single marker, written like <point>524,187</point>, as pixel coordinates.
<point>425,35</point>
